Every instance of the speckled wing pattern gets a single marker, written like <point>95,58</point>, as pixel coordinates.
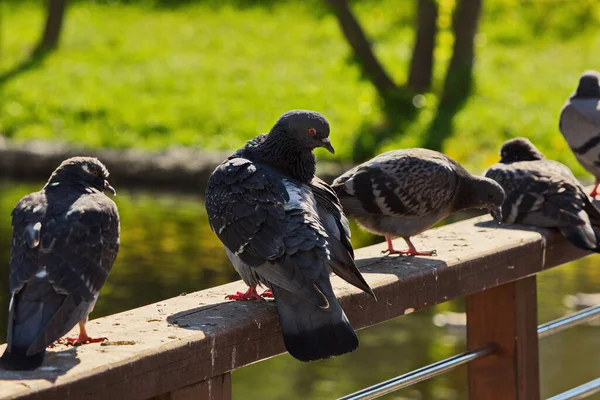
<point>62,250</point>
<point>580,125</point>
<point>545,193</point>
<point>400,183</point>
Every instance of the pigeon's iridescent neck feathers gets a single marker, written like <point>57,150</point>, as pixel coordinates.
<point>283,155</point>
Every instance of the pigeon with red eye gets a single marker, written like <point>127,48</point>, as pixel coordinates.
<point>544,193</point>
<point>284,229</point>
<point>580,124</point>
<point>405,192</point>
<point>65,241</point>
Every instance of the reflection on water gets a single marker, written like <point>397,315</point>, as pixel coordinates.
<point>168,248</point>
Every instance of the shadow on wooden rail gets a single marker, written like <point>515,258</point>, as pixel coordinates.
<point>185,347</point>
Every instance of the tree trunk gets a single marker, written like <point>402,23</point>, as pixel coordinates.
<point>459,77</point>
<point>362,48</point>
<point>421,65</point>
<point>52,29</point>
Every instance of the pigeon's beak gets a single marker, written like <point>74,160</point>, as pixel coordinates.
<point>327,144</point>
<point>496,213</point>
<point>108,188</point>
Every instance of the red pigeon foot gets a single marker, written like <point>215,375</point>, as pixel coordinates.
<point>84,339</point>
<point>595,191</point>
<point>412,251</point>
<point>267,294</point>
<point>250,294</point>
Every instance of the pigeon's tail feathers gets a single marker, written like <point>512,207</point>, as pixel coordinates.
<point>313,332</point>
<point>38,315</point>
<point>17,359</point>
<point>582,236</point>
<point>15,356</point>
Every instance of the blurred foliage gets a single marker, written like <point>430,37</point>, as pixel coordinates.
<point>212,74</point>
<point>167,248</point>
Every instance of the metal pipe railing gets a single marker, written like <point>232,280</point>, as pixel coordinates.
<point>579,392</point>
<point>429,371</point>
<point>561,324</point>
<point>419,375</point>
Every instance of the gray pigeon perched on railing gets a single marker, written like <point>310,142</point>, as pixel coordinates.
<point>65,241</point>
<point>405,192</point>
<point>544,193</point>
<point>283,228</point>
<point>580,124</point>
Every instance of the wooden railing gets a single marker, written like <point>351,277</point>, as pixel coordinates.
<point>186,347</point>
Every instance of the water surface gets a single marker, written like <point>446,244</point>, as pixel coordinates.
<point>168,248</point>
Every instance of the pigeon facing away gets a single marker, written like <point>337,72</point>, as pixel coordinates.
<point>405,192</point>
<point>544,193</point>
<point>580,124</point>
<point>284,228</point>
<point>65,241</point>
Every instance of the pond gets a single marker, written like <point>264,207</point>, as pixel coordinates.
<point>168,248</point>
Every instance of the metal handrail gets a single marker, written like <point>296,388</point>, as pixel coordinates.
<point>420,374</point>
<point>438,368</point>
<point>579,392</point>
<point>561,324</point>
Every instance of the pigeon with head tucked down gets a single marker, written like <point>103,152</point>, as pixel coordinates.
<point>405,192</point>
<point>580,124</point>
<point>544,193</point>
<point>65,241</point>
<point>284,228</point>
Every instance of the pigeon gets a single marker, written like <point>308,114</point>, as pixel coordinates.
<point>65,241</point>
<point>580,124</point>
<point>283,228</point>
<point>544,193</point>
<point>405,192</point>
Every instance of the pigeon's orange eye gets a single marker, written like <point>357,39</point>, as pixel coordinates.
<point>94,172</point>
<point>312,131</point>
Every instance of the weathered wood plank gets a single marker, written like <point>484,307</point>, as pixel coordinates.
<point>217,388</point>
<point>188,339</point>
<point>506,316</point>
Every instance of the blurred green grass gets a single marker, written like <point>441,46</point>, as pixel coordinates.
<point>213,74</point>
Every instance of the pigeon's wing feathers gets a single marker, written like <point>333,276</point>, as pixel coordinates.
<point>542,194</point>
<point>245,202</point>
<point>80,247</point>
<point>26,215</point>
<point>331,212</point>
<point>338,229</point>
<point>535,197</point>
<point>313,323</point>
<point>380,187</point>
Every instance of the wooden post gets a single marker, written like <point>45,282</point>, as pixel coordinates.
<point>217,388</point>
<point>506,316</point>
